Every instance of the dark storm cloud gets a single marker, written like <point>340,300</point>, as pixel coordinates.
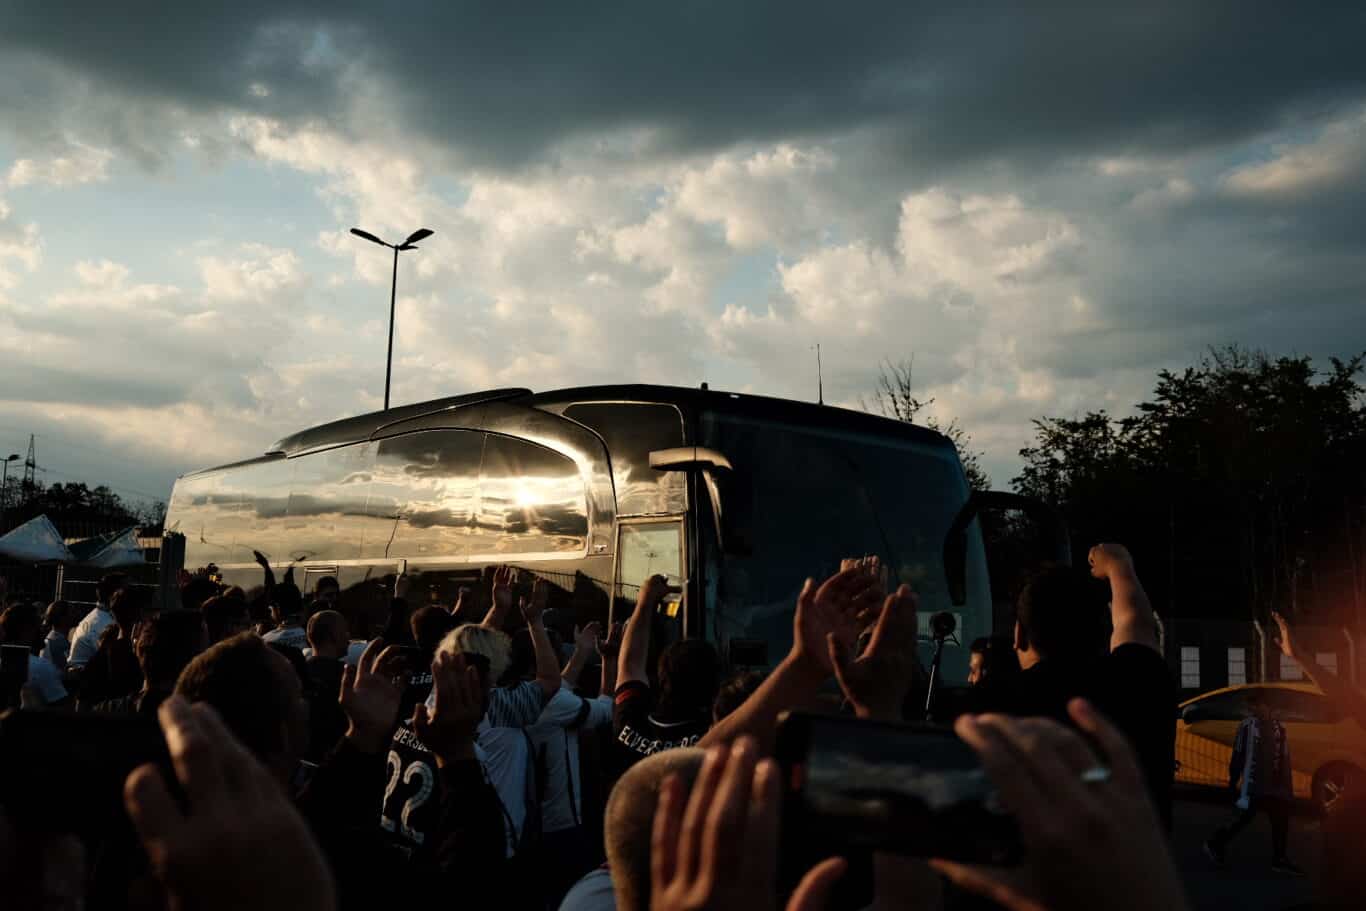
<point>503,86</point>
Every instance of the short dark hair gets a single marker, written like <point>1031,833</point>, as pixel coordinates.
<point>286,597</point>
<point>1061,615</point>
<point>20,624</point>
<point>327,582</point>
<point>689,674</point>
<point>430,625</point>
<point>60,612</point>
<point>127,606</point>
<point>239,678</point>
<point>999,660</point>
<point>105,588</point>
<point>196,591</point>
<point>221,614</point>
<point>325,626</point>
<point>735,691</point>
<point>167,643</point>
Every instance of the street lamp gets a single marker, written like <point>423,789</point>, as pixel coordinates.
<point>4,484</point>
<point>409,244</point>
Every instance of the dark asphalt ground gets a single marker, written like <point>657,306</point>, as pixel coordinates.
<point>1246,883</point>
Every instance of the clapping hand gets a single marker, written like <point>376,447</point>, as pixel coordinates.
<point>370,697</point>
<point>731,813</point>
<point>832,609</point>
<point>448,728</point>
<point>877,682</point>
<point>210,854</point>
<point>533,609</point>
<point>586,637</point>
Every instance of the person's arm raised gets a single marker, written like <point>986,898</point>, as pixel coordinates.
<point>1131,613</point>
<point>1346,698</point>
<point>830,610</point>
<point>635,641</point>
<point>547,662</point>
<point>609,649</point>
<point>585,644</point>
<point>502,598</point>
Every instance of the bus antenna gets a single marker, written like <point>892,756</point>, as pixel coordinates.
<point>820,383</point>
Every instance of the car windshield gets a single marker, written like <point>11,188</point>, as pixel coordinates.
<point>803,498</point>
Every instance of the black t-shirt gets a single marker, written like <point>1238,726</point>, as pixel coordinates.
<point>410,808</point>
<point>639,733</point>
<point>1131,686</point>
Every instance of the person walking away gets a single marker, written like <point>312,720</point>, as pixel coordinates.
<point>1259,770</point>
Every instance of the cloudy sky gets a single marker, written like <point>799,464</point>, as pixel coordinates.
<point>1043,210</point>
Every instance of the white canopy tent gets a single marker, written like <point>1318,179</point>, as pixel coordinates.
<point>36,541</point>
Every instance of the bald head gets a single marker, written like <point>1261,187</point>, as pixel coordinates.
<point>631,819</point>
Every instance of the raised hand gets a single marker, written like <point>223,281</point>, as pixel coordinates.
<point>1088,844</point>
<point>448,728</point>
<point>503,579</point>
<point>877,682</point>
<point>652,592</point>
<point>731,813</point>
<point>1107,559</point>
<point>609,646</point>
<point>1285,637</point>
<point>832,609</point>
<point>533,609</point>
<point>371,698</point>
<point>209,855</point>
<point>586,637</point>
<point>462,598</point>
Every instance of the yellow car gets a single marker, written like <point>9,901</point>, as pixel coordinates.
<point>1326,749</point>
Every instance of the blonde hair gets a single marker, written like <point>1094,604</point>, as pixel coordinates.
<point>472,639</point>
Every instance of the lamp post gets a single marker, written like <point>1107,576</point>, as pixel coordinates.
<point>409,244</point>
<point>4,486</point>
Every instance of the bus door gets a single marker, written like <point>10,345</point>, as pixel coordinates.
<point>645,547</point>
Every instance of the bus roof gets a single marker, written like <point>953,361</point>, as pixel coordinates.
<point>363,427</point>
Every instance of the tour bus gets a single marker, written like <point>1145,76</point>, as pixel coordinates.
<point>737,498</point>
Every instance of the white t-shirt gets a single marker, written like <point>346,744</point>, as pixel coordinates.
<point>555,735</point>
<point>55,649</point>
<point>504,751</point>
<point>296,636</point>
<point>85,638</point>
<point>44,681</point>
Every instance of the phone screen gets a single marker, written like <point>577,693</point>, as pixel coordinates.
<point>908,789</point>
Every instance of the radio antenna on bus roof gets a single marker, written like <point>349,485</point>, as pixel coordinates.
<point>820,383</point>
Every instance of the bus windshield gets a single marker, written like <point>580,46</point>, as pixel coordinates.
<point>801,498</point>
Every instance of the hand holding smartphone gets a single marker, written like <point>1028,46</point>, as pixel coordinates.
<point>907,789</point>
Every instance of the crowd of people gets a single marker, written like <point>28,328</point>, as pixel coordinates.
<point>511,761</point>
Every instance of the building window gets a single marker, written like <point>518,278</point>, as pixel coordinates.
<point>1190,667</point>
<point>1290,668</point>
<point>1328,661</point>
<point>1237,666</point>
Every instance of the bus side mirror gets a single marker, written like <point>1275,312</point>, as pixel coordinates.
<point>713,467</point>
<point>688,458</point>
<point>979,501</point>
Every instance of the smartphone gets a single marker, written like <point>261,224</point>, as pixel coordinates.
<point>13,674</point>
<point>63,771</point>
<point>907,789</point>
